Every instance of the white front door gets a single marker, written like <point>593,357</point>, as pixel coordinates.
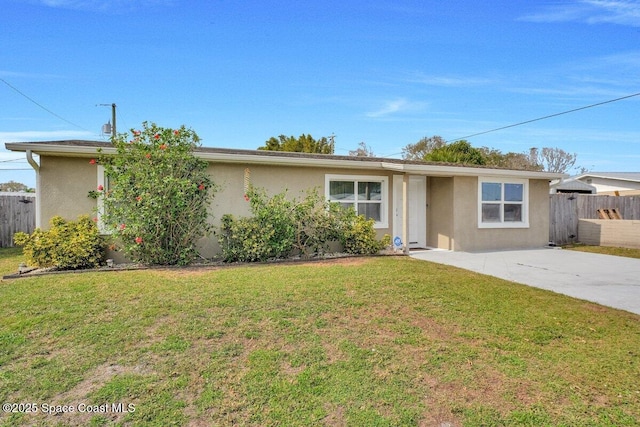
<point>417,212</point>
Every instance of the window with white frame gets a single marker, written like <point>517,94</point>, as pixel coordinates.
<point>368,195</point>
<point>503,203</point>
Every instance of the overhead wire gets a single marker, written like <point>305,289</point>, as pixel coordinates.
<point>40,105</point>
<point>546,117</point>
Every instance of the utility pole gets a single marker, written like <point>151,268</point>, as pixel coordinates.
<point>113,120</point>
<point>111,126</point>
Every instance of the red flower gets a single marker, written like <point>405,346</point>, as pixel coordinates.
<point>139,198</point>
<point>246,197</point>
<point>156,136</point>
<point>136,132</point>
<point>92,162</point>
<point>100,187</point>
<point>148,155</point>
<point>122,226</point>
<point>163,146</point>
<point>201,187</point>
<point>176,132</point>
<point>138,240</point>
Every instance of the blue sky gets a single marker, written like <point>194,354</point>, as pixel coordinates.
<point>383,72</point>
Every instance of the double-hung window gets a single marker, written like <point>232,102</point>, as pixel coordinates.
<point>503,203</point>
<point>366,194</point>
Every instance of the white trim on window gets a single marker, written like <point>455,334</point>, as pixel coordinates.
<point>383,202</point>
<point>102,181</point>
<point>503,202</point>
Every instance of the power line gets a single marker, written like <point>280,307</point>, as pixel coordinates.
<point>42,106</point>
<point>547,117</point>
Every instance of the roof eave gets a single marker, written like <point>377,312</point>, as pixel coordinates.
<point>275,160</point>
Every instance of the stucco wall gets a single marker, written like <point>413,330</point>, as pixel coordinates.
<point>451,213</point>
<point>296,180</point>
<point>606,232</point>
<point>468,237</point>
<point>64,187</point>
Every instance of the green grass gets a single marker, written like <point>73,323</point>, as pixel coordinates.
<point>606,250</point>
<point>388,341</point>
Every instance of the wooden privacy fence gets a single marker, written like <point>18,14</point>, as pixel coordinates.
<point>17,213</point>
<point>566,209</point>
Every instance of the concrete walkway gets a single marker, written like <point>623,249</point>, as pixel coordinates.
<point>608,280</point>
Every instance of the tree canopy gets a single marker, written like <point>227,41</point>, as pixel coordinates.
<point>420,149</point>
<point>302,144</point>
<point>15,186</point>
<point>553,159</point>
<point>436,149</point>
<point>363,150</point>
<point>456,152</point>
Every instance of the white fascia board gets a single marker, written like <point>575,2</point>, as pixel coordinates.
<point>436,170</point>
<point>58,150</point>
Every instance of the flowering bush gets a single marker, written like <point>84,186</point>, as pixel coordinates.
<point>66,245</point>
<point>157,197</point>
<point>281,226</point>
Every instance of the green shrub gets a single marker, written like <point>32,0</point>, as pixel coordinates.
<point>280,227</point>
<point>66,245</point>
<point>357,235</point>
<point>156,201</point>
<point>268,234</point>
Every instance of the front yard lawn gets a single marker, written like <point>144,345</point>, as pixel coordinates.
<point>357,341</point>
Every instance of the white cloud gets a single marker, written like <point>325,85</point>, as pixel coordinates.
<point>112,6</point>
<point>400,105</point>
<point>620,12</point>
<point>448,81</point>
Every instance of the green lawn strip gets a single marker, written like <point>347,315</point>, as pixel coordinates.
<point>379,341</point>
<point>10,258</point>
<point>606,250</point>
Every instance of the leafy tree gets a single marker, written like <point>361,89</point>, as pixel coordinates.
<point>420,149</point>
<point>436,149</point>
<point>518,161</point>
<point>456,152</point>
<point>553,159</point>
<point>158,193</point>
<point>15,186</point>
<point>363,150</point>
<point>302,144</point>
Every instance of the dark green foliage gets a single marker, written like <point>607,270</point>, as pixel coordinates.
<point>302,144</point>
<point>281,226</point>
<point>457,152</point>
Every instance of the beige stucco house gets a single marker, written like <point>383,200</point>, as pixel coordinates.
<point>432,205</point>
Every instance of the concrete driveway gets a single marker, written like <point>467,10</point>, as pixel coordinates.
<point>605,279</point>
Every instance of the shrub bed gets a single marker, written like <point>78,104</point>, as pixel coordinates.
<point>281,226</point>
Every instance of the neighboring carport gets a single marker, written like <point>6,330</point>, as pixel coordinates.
<point>608,280</point>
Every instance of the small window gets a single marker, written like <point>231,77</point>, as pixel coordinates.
<point>366,194</point>
<point>502,203</point>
